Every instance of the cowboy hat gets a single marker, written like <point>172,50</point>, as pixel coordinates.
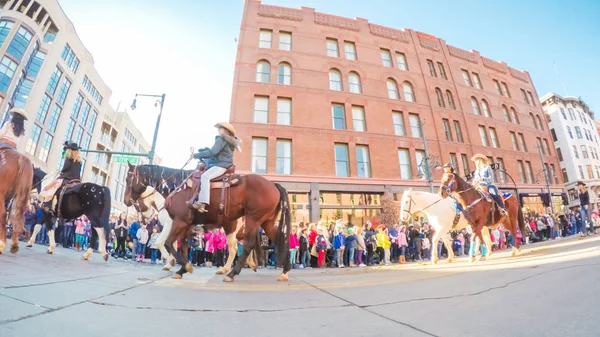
<point>70,146</point>
<point>227,127</point>
<point>19,111</point>
<point>479,156</point>
<point>581,183</point>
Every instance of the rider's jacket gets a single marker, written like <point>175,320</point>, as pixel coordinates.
<point>483,176</point>
<point>71,170</point>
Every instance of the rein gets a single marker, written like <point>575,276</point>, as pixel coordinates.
<point>155,188</point>
<point>412,201</point>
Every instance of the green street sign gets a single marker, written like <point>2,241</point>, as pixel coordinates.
<point>120,159</point>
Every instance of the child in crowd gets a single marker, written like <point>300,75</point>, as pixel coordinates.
<point>351,244</point>
<point>360,246</point>
<point>426,247</point>
<point>209,248</point>
<point>294,245</point>
<point>111,241</point>
<point>304,253</point>
<point>339,243</point>
<point>142,239</point>
<point>199,248</point>
<point>152,245</point>
<point>402,244</point>
<point>321,244</point>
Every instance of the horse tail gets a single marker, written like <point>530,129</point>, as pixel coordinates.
<point>284,229</point>
<point>522,225</point>
<point>22,190</point>
<point>105,214</point>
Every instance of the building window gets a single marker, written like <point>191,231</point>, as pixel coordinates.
<point>513,116</point>
<point>53,83</point>
<point>35,63</point>
<point>392,88</point>
<point>569,132</point>
<point>465,163</point>
<point>450,99</point>
<point>559,154</point>
<point>440,98</point>
<point>533,120</point>
<point>7,71</point>
<point>539,144</point>
<point>565,176</point>
<point>78,135</point>
<point>285,41</point>
<point>571,114</point>
<point>342,169</point>
<point>524,95</point>
<point>259,155</point>
<point>522,143</point>
<point>86,142</point>
<point>70,58</point>
<point>362,161</point>
<point>531,98</point>
<point>494,138</point>
<point>19,43</point>
<point>548,151</point>
<point>265,38</point>
<point>575,152</point>
<point>332,48</point>
<point>578,132</point>
<point>284,157</point>
<point>454,162</point>
<point>34,137</point>
<point>43,110</point>
<point>398,120</point>
<point>263,72</point>
<point>584,152</point>
<point>562,112</point>
<point>92,122</point>
<point>505,90</point>
<point>54,117</point>
<point>70,128</point>
<point>590,172</point>
<point>358,118</point>
<point>475,106</point>
<point>408,92</point>
<point>431,68</point>
<point>501,175</point>
<point>85,114</point>
<point>513,138</point>
<point>442,71</point>
<point>415,125</point>
<point>350,50</point>
<point>580,172</point>
<point>261,109</point>
<point>529,172</point>
<point>21,93</point>
<point>476,81</point>
<point>420,160</point>
<point>335,80</point>
<point>284,74</point>
<point>339,117</point>
<point>401,60</point>
<point>77,106</point>
<point>354,83</point>
<point>405,167</point>
<point>447,130</point>
<point>466,78</point>
<point>458,131</point>
<point>386,58</point>
<point>486,108</point>
<point>5,28</point>
<point>506,115</point>
<point>521,172</point>
<point>64,91</point>
<point>539,120</point>
<point>284,111</point>
<point>46,144</point>
<point>483,136</point>
<point>497,87</point>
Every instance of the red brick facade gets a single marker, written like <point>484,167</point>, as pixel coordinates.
<point>311,132</point>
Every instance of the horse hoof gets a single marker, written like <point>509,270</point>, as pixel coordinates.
<point>14,249</point>
<point>255,269</point>
<point>228,279</point>
<point>49,252</point>
<point>434,261</point>
<point>166,268</point>
<point>29,245</point>
<point>105,257</point>
<point>282,278</point>
<point>177,277</point>
<point>189,267</point>
<point>450,260</point>
<point>172,263</point>
<point>483,258</point>
<point>221,271</point>
<point>471,259</point>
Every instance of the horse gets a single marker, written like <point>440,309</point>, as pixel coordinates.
<point>251,196</point>
<point>441,214</point>
<point>152,202</point>
<point>16,176</point>
<point>85,198</point>
<point>482,210</point>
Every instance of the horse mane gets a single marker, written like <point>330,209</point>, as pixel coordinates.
<point>462,184</point>
<point>157,176</point>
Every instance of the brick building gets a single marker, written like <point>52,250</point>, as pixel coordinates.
<point>331,107</point>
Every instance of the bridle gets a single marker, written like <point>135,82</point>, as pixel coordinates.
<point>412,202</point>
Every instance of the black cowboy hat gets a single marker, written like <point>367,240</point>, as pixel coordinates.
<point>581,183</point>
<point>70,146</point>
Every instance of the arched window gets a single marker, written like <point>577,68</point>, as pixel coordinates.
<point>506,115</point>
<point>450,99</point>
<point>486,108</point>
<point>540,122</point>
<point>354,83</point>
<point>409,96</point>
<point>335,80</point>
<point>533,120</point>
<point>284,74</point>
<point>440,98</point>
<point>513,116</point>
<point>392,89</point>
<point>475,105</point>
<point>263,72</point>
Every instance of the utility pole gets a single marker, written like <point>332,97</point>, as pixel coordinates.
<point>427,168</point>
<point>546,176</point>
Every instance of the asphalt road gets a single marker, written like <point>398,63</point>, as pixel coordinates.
<point>549,289</point>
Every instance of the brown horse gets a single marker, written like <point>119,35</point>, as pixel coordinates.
<point>16,176</point>
<point>483,212</point>
<point>252,196</point>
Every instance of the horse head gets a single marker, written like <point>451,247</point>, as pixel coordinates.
<point>405,206</point>
<point>134,185</point>
<point>449,184</point>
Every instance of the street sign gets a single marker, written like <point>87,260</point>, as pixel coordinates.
<point>120,159</point>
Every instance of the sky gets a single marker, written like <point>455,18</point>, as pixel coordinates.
<point>186,49</point>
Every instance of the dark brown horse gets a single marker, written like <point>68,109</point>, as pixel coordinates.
<point>483,212</point>
<point>252,196</point>
<point>16,176</point>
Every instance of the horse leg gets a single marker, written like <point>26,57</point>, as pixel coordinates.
<point>91,246</point>
<point>272,232</point>
<point>101,235</point>
<point>488,244</point>
<point>232,245</point>
<point>178,232</point>
<point>252,260</point>
<point>167,252</point>
<point>434,244</point>
<point>249,242</point>
<point>50,229</point>
<point>448,243</point>
<point>2,225</point>
<point>36,230</point>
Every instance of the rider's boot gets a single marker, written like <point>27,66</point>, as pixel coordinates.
<point>500,203</point>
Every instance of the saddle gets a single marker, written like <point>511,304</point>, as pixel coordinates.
<point>58,196</point>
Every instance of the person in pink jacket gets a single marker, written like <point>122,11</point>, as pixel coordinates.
<point>210,248</point>
<point>79,231</point>
<point>219,242</point>
<point>403,244</point>
<point>294,245</point>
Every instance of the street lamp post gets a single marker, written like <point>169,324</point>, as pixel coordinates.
<point>162,103</point>
<point>546,177</point>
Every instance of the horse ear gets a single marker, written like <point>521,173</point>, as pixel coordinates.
<point>131,167</point>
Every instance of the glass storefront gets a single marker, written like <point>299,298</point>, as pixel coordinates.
<point>354,208</point>
<point>300,208</point>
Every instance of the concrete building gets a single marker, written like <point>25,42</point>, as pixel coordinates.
<point>331,106</point>
<point>46,69</point>
<point>576,139</point>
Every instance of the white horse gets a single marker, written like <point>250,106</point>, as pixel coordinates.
<point>440,214</point>
<point>154,202</point>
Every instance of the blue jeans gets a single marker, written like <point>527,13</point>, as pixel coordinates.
<point>338,259</point>
<point>153,254</point>
<point>402,250</point>
<point>141,249</point>
<point>305,258</point>
<point>585,215</point>
<point>351,256</point>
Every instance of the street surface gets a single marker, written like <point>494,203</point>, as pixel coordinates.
<point>550,289</point>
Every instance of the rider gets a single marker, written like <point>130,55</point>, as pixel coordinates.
<point>71,171</point>
<point>485,177</point>
<point>448,168</point>
<point>13,129</point>
<point>218,159</point>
